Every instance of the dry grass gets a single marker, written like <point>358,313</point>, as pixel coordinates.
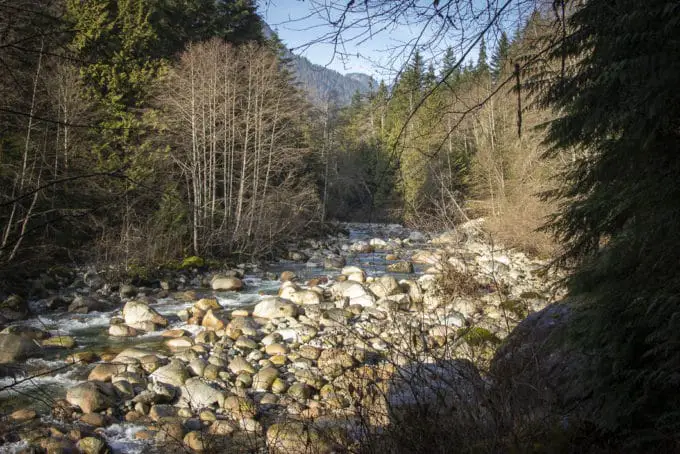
<point>517,226</point>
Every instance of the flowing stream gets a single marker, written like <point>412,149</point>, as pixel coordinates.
<point>43,380</point>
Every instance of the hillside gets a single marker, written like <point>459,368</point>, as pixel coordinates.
<point>322,83</point>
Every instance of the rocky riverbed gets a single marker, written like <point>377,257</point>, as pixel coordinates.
<point>302,355</point>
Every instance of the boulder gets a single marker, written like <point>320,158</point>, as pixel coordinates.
<point>332,357</point>
<point>272,307</point>
<point>240,407</point>
<point>297,438</point>
<point>28,332</point>
<point>16,348</point>
<point>122,330</point>
<point>104,372</point>
<point>221,427</point>
<point>163,412</point>
<point>127,291</point>
<point>361,247</point>
<point>226,283</point>
<point>94,419</point>
<point>206,304</point>
<point>334,262</point>
<point>140,316</point>
<point>132,352</point>
<point>174,374</point>
<point>212,321</point>
<point>535,356</point>
<point>300,391</point>
<point>92,445</point>
<point>198,441</point>
<point>59,342</point>
<point>303,297</point>
<point>179,343</point>
<point>412,289</point>
<point>385,286</point>
<point>348,270</point>
<point>426,257</point>
<point>287,276</point>
<point>297,256</point>
<point>196,393</point>
<point>239,364</point>
<point>354,292</point>
<point>23,414</point>
<point>85,305</point>
<point>400,267</point>
<point>378,243</point>
<point>92,396</point>
<point>443,385</point>
<point>14,308</point>
<point>263,380</point>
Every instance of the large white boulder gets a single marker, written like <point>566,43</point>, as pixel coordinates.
<point>273,307</point>
<point>140,316</point>
<point>197,394</point>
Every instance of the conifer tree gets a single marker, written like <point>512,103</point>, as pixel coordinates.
<point>500,56</point>
<point>482,63</point>
<point>448,64</point>
<point>620,223</point>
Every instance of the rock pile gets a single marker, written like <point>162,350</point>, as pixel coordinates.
<point>298,371</point>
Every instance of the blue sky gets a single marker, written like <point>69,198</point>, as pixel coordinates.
<point>291,20</point>
<point>305,30</point>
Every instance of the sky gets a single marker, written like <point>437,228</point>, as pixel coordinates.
<point>301,29</point>
<point>307,31</point>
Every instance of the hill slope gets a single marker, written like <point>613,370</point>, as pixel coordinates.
<point>322,83</point>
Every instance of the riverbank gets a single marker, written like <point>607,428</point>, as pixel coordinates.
<point>306,351</point>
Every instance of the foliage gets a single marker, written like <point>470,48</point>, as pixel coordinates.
<point>192,262</point>
<point>619,109</point>
<point>85,171</point>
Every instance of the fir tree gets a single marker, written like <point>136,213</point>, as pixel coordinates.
<point>621,219</point>
<point>449,64</point>
<point>500,56</point>
<point>482,63</point>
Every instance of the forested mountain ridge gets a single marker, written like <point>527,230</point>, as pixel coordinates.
<point>323,84</point>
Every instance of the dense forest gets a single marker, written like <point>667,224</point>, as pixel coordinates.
<point>139,132</point>
<point>178,121</point>
<point>124,121</point>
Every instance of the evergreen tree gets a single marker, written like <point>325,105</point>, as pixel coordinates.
<point>430,77</point>
<point>500,56</point>
<point>178,22</point>
<point>482,63</point>
<point>115,39</point>
<point>621,219</point>
<point>412,78</point>
<point>448,64</point>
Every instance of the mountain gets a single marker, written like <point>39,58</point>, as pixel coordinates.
<point>321,83</point>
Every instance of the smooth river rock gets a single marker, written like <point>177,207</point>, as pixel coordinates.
<point>16,348</point>
<point>273,307</point>
<point>138,315</point>
<point>92,396</point>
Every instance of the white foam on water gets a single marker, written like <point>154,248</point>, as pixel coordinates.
<point>68,323</point>
<point>193,329</point>
<point>121,438</point>
<point>252,281</point>
<point>11,448</point>
<point>64,379</point>
<point>170,308</point>
<point>236,301</point>
<point>44,364</point>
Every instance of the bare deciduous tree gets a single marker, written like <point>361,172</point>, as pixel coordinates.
<point>235,123</point>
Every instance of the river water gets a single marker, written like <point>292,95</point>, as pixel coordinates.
<point>90,331</point>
